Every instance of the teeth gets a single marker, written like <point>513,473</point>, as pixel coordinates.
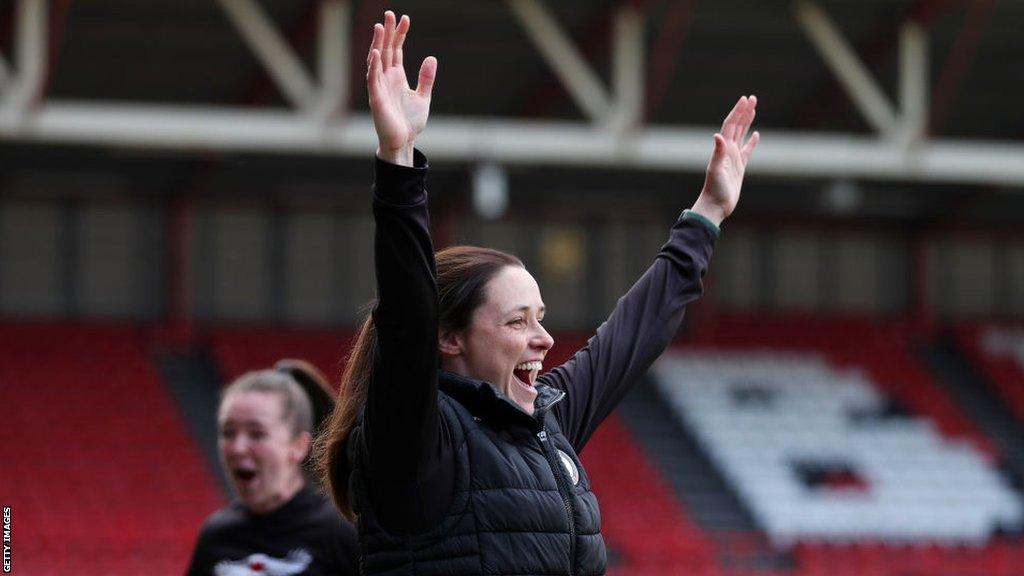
<point>535,365</point>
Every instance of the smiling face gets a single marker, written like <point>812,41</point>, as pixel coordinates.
<point>260,450</point>
<point>505,343</point>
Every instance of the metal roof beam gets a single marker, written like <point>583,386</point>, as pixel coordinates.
<point>565,59</point>
<point>848,69</point>
<point>628,67</point>
<point>516,142</point>
<point>326,97</point>
<point>618,109</point>
<point>334,56</point>
<point>913,83</point>
<point>25,85</point>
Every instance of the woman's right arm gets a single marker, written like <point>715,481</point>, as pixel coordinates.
<point>407,451</point>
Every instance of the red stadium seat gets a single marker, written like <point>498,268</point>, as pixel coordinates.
<point>99,471</point>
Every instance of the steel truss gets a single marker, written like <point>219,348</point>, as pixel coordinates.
<point>613,135</point>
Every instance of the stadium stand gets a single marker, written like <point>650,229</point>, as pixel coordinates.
<point>643,521</point>
<point>998,558</point>
<point>879,348</point>
<point>239,350</point>
<point>865,430</point>
<point>999,354</point>
<point>815,454</point>
<point>872,362</point>
<point>99,471</point>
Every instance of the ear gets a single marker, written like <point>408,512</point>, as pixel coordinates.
<point>450,342</point>
<point>300,446</point>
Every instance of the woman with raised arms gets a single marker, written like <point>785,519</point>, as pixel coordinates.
<point>451,449</point>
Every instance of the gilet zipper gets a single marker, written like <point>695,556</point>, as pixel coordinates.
<point>563,491</point>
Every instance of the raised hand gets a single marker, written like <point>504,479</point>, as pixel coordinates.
<point>399,112</point>
<point>728,162</point>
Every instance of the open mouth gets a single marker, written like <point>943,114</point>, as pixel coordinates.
<point>244,475</point>
<point>526,373</point>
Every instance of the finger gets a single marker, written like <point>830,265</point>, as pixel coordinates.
<point>748,118</point>
<point>389,37</point>
<point>376,43</point>
<point>739,123</point>
<point>428,71</point>
<point>749,147</point>
<point>729,124</point>
<point>373,74</point>
<point>400,32</point>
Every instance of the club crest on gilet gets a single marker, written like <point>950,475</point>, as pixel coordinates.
<point>570,467</point>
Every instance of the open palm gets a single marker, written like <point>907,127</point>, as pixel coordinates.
<point>399,112</point>
<point>728,163</point>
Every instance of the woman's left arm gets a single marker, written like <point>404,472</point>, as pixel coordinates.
<point>647,317</point>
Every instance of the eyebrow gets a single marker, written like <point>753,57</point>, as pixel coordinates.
<point>525,308</point>
<point>241,423</point>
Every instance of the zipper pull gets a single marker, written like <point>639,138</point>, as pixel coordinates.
<point>543,435</point>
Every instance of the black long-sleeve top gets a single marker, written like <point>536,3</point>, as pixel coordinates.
<point>304,536</point>
<point>411,457</point>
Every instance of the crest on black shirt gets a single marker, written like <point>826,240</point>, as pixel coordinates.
<point>263,565</point>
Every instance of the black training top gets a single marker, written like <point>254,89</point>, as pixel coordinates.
<point>304,536</point>
<point>410,469</point>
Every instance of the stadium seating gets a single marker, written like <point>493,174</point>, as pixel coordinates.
<point>642,520</point>
<point>238,350</point>
<point>999,353</point>
<point>814,454</point>
<point>881,349</point>
<point>998,558</point>
<point>645,526</point>
<point>105,470</point>
<point>98,469</point>
<point>874,358</point>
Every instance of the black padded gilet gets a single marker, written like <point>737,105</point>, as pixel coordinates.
<point>519,508</point>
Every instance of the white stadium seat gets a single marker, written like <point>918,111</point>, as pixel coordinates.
<point>760,415</point>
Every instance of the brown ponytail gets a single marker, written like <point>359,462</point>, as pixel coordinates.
<point>329,449</point>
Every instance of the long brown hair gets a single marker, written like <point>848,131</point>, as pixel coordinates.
<point>462,276</point>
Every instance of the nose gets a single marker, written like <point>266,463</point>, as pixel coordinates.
<point>235,445</point>
<point>542,339</point>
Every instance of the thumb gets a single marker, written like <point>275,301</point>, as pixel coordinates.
<point>719,143</point>
<point>428,70</point>
<point>719,152</point>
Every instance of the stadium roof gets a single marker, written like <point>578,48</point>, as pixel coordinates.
<point>884,90</point>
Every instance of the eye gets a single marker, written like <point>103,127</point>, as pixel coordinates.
<point>258,434</point>
<point>227,433</point>
<point>518,321</point>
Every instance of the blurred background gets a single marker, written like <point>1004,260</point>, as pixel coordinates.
<point>184,196</point>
